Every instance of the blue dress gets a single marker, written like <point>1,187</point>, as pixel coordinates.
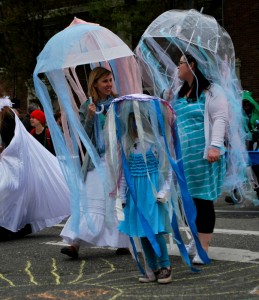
<point>204,179</point>
<point>156,213</point>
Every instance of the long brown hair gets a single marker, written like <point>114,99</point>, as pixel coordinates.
<point>7,125</point>
<point>200,82</point>
<point>5,113</point>
<point>94,76</point>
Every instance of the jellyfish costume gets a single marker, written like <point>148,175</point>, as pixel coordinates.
<point>177,32</point>
<point>32,187</point>
<point>62,68</point>
<point>150,181</point>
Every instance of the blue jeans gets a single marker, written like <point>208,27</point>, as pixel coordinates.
<point>155,262</point>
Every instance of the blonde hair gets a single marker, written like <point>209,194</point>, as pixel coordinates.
<point>96,74</point>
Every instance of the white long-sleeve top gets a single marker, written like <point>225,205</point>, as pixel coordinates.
<point>215,118</point>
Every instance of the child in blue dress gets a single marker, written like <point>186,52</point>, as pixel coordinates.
<point>142,152</point>
<point>145,178</point>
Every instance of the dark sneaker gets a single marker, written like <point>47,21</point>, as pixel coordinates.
<point>151,278</point>
<point>164,276</point>
<point>229,200</point>
<point>122,251</point>
<point>71,251</point>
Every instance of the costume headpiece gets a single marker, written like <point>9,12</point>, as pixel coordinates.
<point>5,101</point>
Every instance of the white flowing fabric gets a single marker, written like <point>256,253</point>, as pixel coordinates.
<point>32,187</point>
<point>93,230</point>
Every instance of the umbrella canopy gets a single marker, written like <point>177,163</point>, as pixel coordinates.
<point>187,31</point>
<point>191,27</point>
<point>87,45</point>
<point>81,43</point>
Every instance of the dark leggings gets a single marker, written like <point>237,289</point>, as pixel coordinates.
<point>205,220</point>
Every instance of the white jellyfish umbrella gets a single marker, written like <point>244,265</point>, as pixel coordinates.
<point>86,45</point>
<point>178,32</point>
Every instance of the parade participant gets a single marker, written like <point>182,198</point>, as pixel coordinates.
<point>141,152</point>
<point>93,230</point>
<point>156,212</point>
<point>202,113</point>
<point>209,92</point>
<point>28,203</point>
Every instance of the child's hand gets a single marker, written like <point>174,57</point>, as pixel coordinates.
<point>162,196</point>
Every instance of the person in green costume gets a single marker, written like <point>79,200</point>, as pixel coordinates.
<point>251,125</point>
<point>251,120</point>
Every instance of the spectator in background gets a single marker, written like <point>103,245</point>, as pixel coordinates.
<point>251,125</point>
<point>251,109</point>
<point>40,131</point>
<point>57,117</point>
<point>26,120</point>
<point>251,120</point>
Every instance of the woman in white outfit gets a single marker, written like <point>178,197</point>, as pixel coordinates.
<point>93,229</point>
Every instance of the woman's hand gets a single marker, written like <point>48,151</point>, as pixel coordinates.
<point>91,110</point>
<point>213,154</point>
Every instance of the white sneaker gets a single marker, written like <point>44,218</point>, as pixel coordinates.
<point>197,260</point>
<point>151,277</point>
<point>191,248</point>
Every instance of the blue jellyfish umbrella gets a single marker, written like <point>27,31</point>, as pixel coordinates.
<point>88,45</point>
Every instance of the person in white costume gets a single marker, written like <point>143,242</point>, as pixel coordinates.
<point>93,229</point>
<point>33,191</point>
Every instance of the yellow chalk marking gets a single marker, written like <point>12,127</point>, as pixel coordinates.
<point>112,269</point>
<point>80,273</point>
<point>7,280</point>
<point>120,292</point>
<point>212,275</point>
<point>53,272</point>
<point>27,270</point>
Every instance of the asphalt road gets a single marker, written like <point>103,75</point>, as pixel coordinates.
<point>33,268</point>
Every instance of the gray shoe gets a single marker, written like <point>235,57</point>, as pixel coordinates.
<point>146,279</point>
<point>151,278</point>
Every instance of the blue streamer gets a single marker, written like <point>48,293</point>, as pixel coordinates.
<point>136,256</point>
<point>180,243</point>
